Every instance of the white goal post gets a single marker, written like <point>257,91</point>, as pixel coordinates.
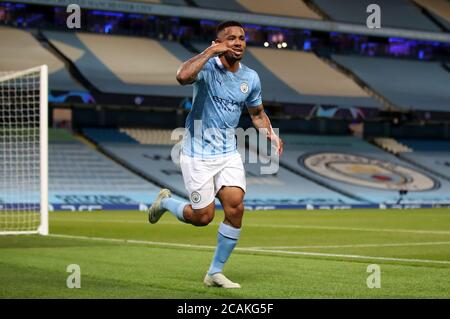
<point>24,151</point>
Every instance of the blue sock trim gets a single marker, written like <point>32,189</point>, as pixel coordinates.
<point>229,231</point>
<point>174,206</point>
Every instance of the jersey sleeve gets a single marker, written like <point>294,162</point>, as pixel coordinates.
<point>203,74</point>
<point>255,97</point>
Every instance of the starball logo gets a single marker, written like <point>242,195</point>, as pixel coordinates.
<point>206,141</point>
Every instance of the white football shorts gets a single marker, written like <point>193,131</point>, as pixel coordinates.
<point>203,178</point>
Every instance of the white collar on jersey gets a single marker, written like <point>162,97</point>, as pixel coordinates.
<point>220,64</point>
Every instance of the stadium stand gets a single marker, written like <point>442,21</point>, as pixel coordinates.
<point>408,84</point>
<point>439,9</point>
<point>152,158</point>
<point>19,50</point>
<point>287,187</point>
<point>431,155</point>
<point>391,145</point>
<point>79,174</point>
<point>149,137</point>
<point>108,135</point>
<point>315,170</point>
<point>173,2</point>
<point>361,170</point>
<point>301,77</point>
<point>142,66</point>
<point>290,8</point>
<point>395,13</point>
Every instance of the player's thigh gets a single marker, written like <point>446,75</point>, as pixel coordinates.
<point>199,182</point>
<point>230,183</point>
<point>231,197</point>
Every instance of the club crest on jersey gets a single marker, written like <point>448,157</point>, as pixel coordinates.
<point>195,197</point>
<point>244,87</point>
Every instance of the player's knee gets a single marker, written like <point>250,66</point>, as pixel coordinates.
<point>204,219</point>
<point>236,211</point>
<point>240,209</point>
<point>235,203</point>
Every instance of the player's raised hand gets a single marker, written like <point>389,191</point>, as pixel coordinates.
<point>218,48</point>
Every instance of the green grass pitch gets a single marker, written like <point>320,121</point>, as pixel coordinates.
<point>281,254</point>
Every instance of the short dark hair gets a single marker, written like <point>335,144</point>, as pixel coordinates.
<point>226,24</point>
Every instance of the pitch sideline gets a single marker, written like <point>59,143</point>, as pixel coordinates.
<point>252,250</point>
<point>362,229</point>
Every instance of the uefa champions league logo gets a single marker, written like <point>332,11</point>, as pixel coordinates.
<point>260,151</point>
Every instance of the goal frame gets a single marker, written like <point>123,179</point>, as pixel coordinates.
<point>43,228</point>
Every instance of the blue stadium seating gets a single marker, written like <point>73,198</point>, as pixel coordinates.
<point>407,84</point>
<point>394,13</point>
<point>80,175</point>
<point>111,74</point>
<point>276,90</point>
<point>433,155</point>
<point>354,173</point>
<point>108,135</point>
<point>355,167</point>
<point>284,188</point>
<point>15,55</point>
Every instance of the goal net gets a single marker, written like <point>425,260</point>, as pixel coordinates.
<point>23,152</point>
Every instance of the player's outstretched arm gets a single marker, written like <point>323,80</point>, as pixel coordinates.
<point>261,121</point>
<point>188,71</point>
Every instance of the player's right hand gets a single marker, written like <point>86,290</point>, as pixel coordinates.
<point>219,48</point>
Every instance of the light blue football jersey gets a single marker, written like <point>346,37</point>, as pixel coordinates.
<point>219,98</point>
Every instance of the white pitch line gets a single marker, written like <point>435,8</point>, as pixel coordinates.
<point>431,243</point>
<point>132,241</point>
<point>386,230</point>
<point>253,250</point>
<point>347,256</point>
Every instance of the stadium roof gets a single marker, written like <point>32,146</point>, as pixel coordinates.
<point>289,22</point>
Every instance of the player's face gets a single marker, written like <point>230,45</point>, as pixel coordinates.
<point>234,38</point>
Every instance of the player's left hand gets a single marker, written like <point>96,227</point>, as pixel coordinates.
<point>278,143</point>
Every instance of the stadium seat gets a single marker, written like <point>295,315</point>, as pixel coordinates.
<point>301,77</point>
<point>408,84</point>
<point>153,159</point>
<point>431,155</point>
<point>143,66</point>
<point>79,174</point>
<point>395,13</point>
<point>439,9</point>
<point>290,8</point>
<point>20,51</point>
<point>362,170</point>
